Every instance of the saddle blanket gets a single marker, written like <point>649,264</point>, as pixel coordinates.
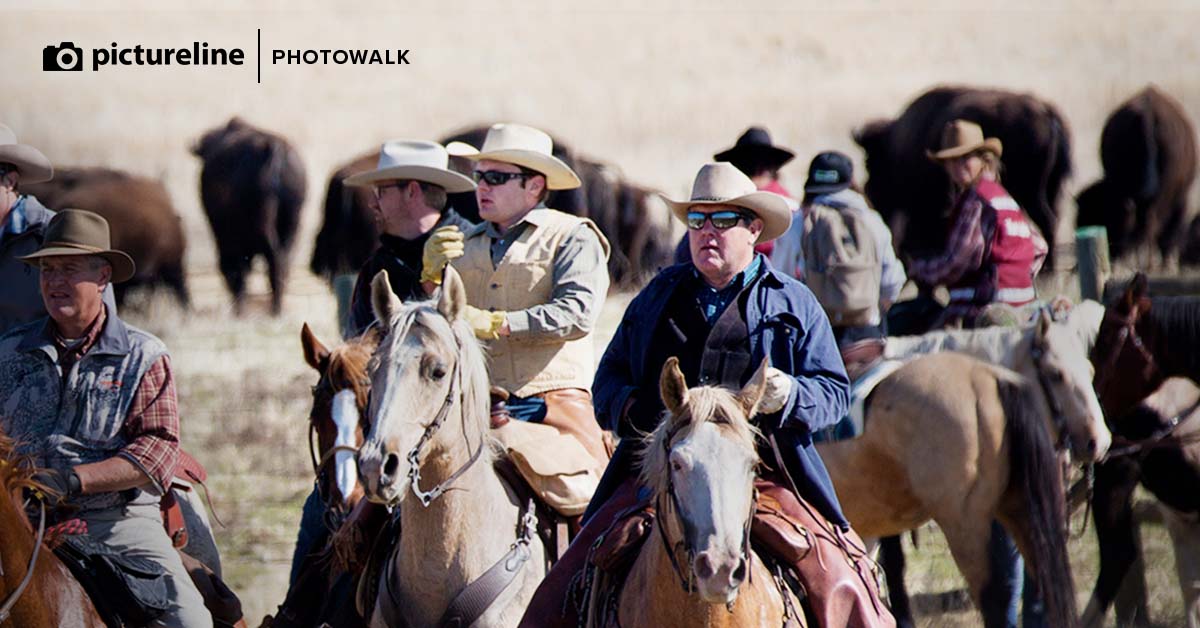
<point>851,426</point>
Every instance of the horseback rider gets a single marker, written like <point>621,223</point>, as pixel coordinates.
<point>536,279</point>
<point>721,314</point>
<point>92,400</point>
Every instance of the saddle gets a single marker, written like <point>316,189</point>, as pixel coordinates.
<point>861,355</point>
<point>126,590</point>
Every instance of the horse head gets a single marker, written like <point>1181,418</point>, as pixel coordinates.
<point>429,394</point>
<point>338,414</point>
<point>1122,349</point>
<point>701,462</point>
<point>1059,355</point>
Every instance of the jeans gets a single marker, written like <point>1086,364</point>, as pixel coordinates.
<point>1010,583</point>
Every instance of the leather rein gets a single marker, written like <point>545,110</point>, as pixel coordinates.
<point>11,600</point>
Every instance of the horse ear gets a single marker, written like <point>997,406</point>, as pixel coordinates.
<point>1043,323</point>
<point>672,386</point>
<point>383,300</point>
<point>752,393</point>
<point>1134,292</point>
<point>314,350</point>
<point>453,296</point>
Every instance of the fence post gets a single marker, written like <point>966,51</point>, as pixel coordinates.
<point>1091,255</point>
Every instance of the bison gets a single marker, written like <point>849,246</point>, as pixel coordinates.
<point>914,194</point>
<point>252,186</point>
<point>144,223</point>
<point>1148,150</point>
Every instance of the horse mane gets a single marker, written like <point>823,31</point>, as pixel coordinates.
<point>1084,319</point>
<point>350,362</point>
<point>1178,319</point>
<point>16,470</point>
<point>705,404</point>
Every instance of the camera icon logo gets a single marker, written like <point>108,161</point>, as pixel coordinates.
<point>65,57</point>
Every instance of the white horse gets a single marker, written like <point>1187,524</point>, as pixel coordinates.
<point>429,453</point>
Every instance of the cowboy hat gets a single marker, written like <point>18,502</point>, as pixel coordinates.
<point>723,184</point>
<point>963,137</point>
<point>80,232</point>
<point>754,146</point>
<point>30,162</point>
<point>414,160</point>
<point>523,146</point>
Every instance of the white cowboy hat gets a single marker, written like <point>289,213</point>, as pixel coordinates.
<point>415,160</point>
<point>30,162</point>
<point>723,184</point>
<point>523,146</point>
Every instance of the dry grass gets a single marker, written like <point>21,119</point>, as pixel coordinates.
<point>653,87</point>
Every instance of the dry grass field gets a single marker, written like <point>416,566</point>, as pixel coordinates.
<point>654,87</point>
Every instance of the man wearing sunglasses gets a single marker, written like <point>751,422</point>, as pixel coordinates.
<point>721,314</point>
<point>536,279</point>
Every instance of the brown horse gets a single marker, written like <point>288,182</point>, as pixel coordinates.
<point>50,597</point>
<point>953,439</point>
<point>1142,342</point>
<point>700,463</point>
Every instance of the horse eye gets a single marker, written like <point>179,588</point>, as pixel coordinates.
<point>675,466</point>
<point>436,373</point>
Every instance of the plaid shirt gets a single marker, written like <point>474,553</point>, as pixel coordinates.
<point>152,425</point>
<point>964,248</point>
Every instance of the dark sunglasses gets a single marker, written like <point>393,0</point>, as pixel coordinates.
<point>720,220</point>
<point>495,177</point>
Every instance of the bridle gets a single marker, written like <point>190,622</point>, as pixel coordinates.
<point>11,600</point>
<point>1127,333</point>
<point>684,545</point>
<point>1058,417</point>
<point>414,455</point>
<point>325,387</point>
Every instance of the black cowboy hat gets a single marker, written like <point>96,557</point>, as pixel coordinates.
<point>754,146</point>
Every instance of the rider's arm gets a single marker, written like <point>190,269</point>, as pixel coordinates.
<point>152,428</point>
<point>964,248</point>
<point>580,276</point>
<point>820,392</point>
<point>107,476</point>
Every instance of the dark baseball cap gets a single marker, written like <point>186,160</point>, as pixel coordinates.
<point>829,171</point>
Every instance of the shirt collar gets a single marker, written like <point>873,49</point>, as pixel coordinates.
<point>740,280</point>
<point>535,217</point>
<point>17,221</point>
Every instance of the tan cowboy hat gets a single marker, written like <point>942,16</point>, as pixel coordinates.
<point>723,184</point>
<point>523,146</point>
<point>963,137</point>
<point>30,162</point>
<point>415,160</point>
<point>79,232</point>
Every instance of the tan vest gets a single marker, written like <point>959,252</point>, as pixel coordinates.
<point>523,279</point>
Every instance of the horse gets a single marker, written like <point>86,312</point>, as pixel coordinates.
<point>429,425</point>
<point>700,465</point>
<point>1142,342</point>
<point>953,439</point>
<point>36,589</point>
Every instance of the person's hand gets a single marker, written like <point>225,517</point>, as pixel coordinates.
<point>60,487</point>
<point>443,245</point>
<point>485,324</point>
<point>779,387</point>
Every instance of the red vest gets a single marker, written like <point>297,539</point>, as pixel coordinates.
<point>1013,253</point>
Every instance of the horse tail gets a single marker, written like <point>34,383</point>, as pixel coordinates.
<point>1034,471</point>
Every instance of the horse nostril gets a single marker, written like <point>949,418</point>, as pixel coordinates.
<point>1092,446</point>
<point>704,566</point>
<point>739,573</point>
<point>390,464</point>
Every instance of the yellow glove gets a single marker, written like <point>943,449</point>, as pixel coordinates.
<point>445,244</point>
<point>485,324</point>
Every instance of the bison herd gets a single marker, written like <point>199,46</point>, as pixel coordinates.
<point>252,186</point>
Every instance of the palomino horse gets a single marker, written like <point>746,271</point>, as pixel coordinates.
<point>1142,342</point>
<point>430,436</point>
<point>962,442</point>
<point>700,464</point>
<point>36,589</point>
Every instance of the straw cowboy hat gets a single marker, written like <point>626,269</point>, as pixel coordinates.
<point>723,184</point>
<point>963,137</point>
<point>79,232</point>
<point>30,162</point>
<point>755,146</point>
<point>522,146</point>
<point>414,160</point>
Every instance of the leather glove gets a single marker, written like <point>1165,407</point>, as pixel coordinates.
<point>60,487</point>
<point>485,324</point>
<point>443,245</point>
<point>779,387</point>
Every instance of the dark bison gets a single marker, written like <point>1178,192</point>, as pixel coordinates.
<point>914,194</point>
<point>1148,150</point>
<point>252,187</point>
<point>1191,246</point>
<point>143,221</point>
<point>633,218</point>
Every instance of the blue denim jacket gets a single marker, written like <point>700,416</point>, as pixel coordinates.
<point>786,323</point>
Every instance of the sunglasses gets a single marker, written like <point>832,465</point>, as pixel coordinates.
<point>720,220</point>
<point>496,177</point>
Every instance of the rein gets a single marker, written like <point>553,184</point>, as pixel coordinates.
<point>1057,417</point>
<point>414,456</point>
<point>319,465</point>
<point>1161,439</point>
<point>11,601</point>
